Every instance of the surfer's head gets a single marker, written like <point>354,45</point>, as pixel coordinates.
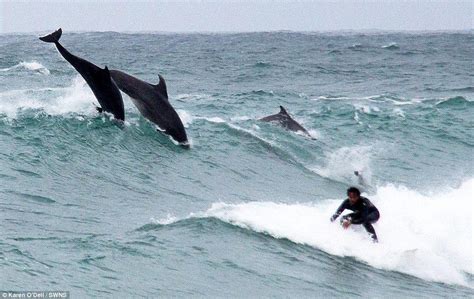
<point>354,194</point>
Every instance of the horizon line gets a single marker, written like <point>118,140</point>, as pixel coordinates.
<point>374,30</point>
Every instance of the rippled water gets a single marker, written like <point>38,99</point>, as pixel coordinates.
<point>102,209</point>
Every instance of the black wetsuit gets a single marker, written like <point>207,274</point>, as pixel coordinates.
<point>364,212</point>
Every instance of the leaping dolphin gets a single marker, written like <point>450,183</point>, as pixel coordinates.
<point>152,102</point>
<point>99,80</point>
<point>285,120</point>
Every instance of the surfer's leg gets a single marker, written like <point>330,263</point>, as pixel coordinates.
<point>370,229</point>
<point>371,218</point>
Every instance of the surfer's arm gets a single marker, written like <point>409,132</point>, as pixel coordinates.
<point>339,210</point>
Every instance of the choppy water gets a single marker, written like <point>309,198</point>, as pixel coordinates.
<point>103,210</point>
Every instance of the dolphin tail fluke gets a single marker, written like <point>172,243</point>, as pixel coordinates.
<point>53,37</point>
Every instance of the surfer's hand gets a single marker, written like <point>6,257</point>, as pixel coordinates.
<point>346,223</point>
<point>333,217</point>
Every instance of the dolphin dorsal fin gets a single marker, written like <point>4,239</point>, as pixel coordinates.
<point>283,110</point>
<point>161,86</point>
<point>105,72</point>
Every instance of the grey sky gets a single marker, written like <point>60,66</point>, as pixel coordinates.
<point>234,16</point>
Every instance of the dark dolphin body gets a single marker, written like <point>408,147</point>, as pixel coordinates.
<point>152,102</point>
<point>99,80</point>
<point>285,120</point>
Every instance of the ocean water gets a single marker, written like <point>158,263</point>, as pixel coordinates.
<point>103,209</point>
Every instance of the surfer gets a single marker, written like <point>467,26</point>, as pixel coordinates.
<point>364,212</point>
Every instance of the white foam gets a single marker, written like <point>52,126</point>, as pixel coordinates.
<point>185,117</point>
<point>366,109</point>
<point>303,95</point>
<point>164,221</point>
<point>191,97</point>
<point>315,134</point>
<point>330,98</point>
<point>392,45</point>
<point>29,65</point>
<point>213,119</point>
<point>356,117</point>
<point>77,98</point>
<point>399,101</point>
<point>312,134</point>
<point>403,103</point>
<point>425,236</point>
<point>191,142</point>
<point>341,164</point>
<point>399,112</point>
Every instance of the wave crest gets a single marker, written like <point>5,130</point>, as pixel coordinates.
<point>77,98</point>
<point>427,236</point>
<point>34,66</point>
<point>454,102</point>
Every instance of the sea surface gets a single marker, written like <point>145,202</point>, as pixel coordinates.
<point>117,210</point>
